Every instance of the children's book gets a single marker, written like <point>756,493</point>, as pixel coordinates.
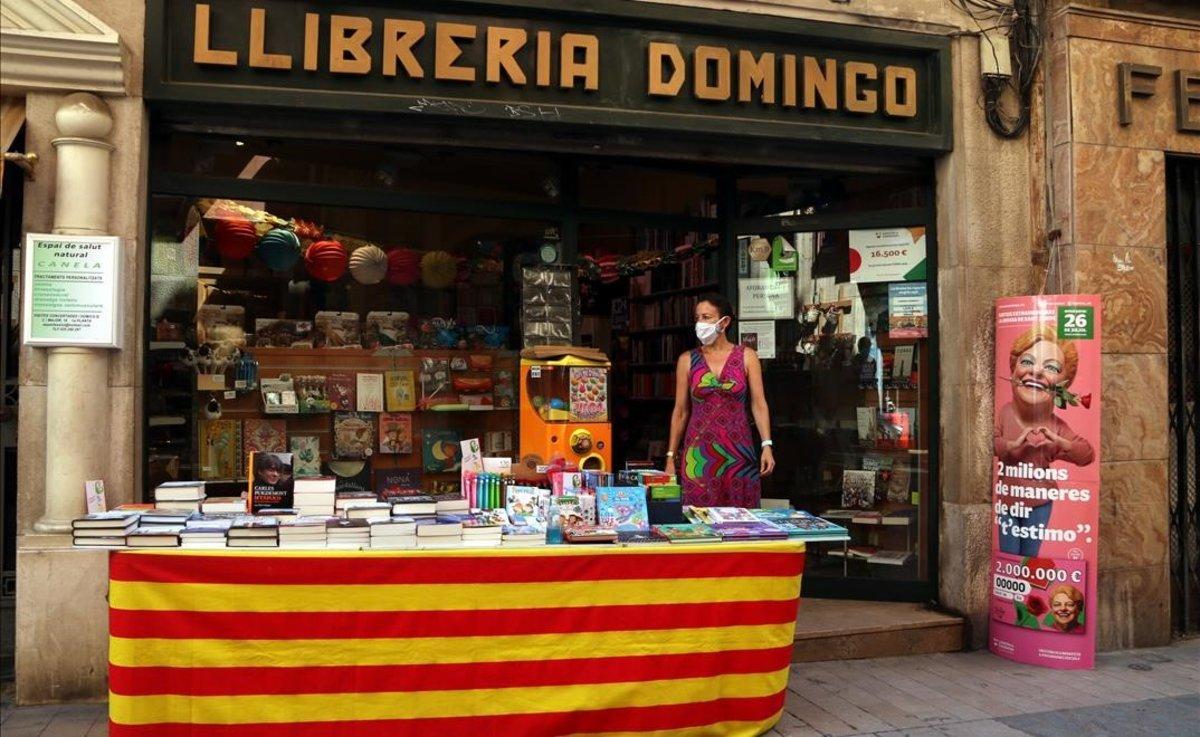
<point>435,383</point>
<point>623,507</point>
<point>526,506</point>
<point>397,483</point>
<point>440,451</point>
<point>370,392</point>
<point>400,394</point>
<point>264,436</point>
<point>686,534</point>
<point>306,455</point>
<point>341,390</point>
<point>717,515</point>
<point>221,449</point>
<point>757,530</point>
<point>353,435</point>
<point>570,511</point>
<point>395,433</point>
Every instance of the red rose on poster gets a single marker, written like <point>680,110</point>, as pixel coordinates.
<point>1086,401</point>
<point>1036,605</point>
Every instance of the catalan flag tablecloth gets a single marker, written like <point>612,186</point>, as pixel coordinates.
<point>653,640</point>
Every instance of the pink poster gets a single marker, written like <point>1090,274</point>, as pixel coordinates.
<point>1046,480</point>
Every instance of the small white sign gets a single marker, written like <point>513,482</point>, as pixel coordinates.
<point>763,342</point>
<point>766,299</point>
<point>70,291</point>
<point>886,255</point>
<point>93,491</point>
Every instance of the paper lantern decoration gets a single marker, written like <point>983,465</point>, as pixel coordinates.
<point>306,229</point>
<point>326,260</point>
<point>279,249</point>
<point>404,267</point>
<point>438,269</point>
<point>235,236</point>
<point>368,264</point>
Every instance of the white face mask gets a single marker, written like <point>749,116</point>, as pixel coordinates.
<point>707,332</point>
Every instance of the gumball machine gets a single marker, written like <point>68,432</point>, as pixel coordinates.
<point>564,409</point>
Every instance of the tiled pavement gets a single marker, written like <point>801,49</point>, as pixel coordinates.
<point>1136,693</point>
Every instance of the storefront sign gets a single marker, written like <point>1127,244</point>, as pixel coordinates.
<point>615,63</point>
<point>70,290</point>
<point>1046,480</point>
<point>888,254</point>
<point>1141,80</point>
<point>766,299</point>
<point>908,310</point>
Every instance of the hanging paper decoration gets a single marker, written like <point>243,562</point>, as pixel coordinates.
<point>607,268</point>
<point>235,236</point>
<point>368,264</point>
<point>326,260</point>
<point>404,267</point>
<point>279,249</point>
<point>438,269</point>
<point>308,230</point>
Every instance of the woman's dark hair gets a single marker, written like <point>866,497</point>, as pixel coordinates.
<point>723,305</point>
<point>267,460</point>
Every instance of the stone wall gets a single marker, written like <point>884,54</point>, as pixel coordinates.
<point>1108,201</point>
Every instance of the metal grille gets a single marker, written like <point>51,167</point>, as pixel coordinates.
<point>1183,269</point>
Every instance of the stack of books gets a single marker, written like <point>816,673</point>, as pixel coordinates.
<point>246,531</point>
<point>314,497</point>
<point>437,533</point>
<point>303,532</point>
<point>798,524</point>
<point>590,534</point>
<point>522,536</point>
<point>481,531</point>
<point>686,534</point>
<point>167,517</point>
<point>393,533</point>
<point>347,534</point>
<point>205,533</point>
<point>368,510</point>
<point>179,495</point>
<point>347,499</point>
<point>451,506</point>
<point>103,530</point>
<point>417,507</point>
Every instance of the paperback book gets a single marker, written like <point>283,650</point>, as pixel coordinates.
<point>341,390</point>
<point>441,452</point>
<point>392,484</point>
<point>623,508</point>
<point>369,392</point>
<point>306,455</point>
<point>264,436</point>
<point>353,435</point>
<point>400,394</point>
<point>395,433</point>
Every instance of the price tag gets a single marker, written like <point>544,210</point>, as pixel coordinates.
<point>231,395</point>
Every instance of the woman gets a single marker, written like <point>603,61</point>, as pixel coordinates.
<point>1028,430</point>
<point>1066,604</point>
<point>719,465</point>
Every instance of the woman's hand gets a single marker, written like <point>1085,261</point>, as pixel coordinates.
<point>766,462</point>
<point>1024,439</point>
<point>669,466</point>
<point>1060,443</point>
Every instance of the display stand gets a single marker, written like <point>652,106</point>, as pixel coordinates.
<point>693,639</point>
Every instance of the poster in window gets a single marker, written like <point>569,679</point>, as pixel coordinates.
<point>887,255</point>
<point>908,310</point>
<point>759,335</point>
<point>766,299</point>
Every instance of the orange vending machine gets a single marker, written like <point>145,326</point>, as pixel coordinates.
<point>564,408</point>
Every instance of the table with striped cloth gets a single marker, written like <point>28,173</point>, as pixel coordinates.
<point>596,640</point>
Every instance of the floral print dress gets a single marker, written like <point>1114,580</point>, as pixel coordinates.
<point>720,466</point>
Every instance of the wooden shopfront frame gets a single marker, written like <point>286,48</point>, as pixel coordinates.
<point>721,145</point>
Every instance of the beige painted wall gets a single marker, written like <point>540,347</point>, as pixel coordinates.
<point>1109,200</point>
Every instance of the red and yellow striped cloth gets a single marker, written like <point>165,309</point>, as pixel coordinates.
<point>672,640</point>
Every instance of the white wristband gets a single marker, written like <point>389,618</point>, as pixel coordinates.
<point>767,443</point>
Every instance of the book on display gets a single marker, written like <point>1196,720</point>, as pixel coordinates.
<point>686,533</point>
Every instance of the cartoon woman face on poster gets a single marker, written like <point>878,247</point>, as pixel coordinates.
<point>1029,429</point>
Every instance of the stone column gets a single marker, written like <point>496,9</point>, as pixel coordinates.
<point>77,402</point>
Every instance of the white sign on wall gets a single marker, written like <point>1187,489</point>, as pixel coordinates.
<point>70,290</point>
<point>769,298</point>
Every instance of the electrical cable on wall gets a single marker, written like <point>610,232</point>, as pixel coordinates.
<point>1010,50</point>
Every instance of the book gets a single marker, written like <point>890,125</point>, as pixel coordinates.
<point>400,393</point>
<point>310,394</point>
<point>440,451</point>
<point>797,523</point>
<point>353,435</point>
<point>351,477</point>
<point>717,515</point>
<point>385,329</point>
<point>93,494</point>
<point>589,534</point>
<point>756,530</point>
<point>435,383</point>
<point>858,488</point>
<point>341,390</point>
<point>570,511</point>
<point>223,505</point>
<point>393,483</point>
<point>159,536</point>
<point>686,533</point>
<point>220,449</point>
<point>369,392</point>
<point>177,491</point>
<point>104,531</point>
<point>526,506</point>
<point>898,484</point>
<point>168,517</point>
<point>395,433</point>
<point>623,507</point>
<point>114,520</point>
<point>263,436</point>
<point>414,506</point>
<point>250,526</point>
<point>336,330</point>
<point>306,455</point>
<point>270,483</point>
<point>368,510</point>
<point>282,333</point>
<point>438,528</point>
<point>890,557</point>
<point>99,542</point>
<point>252,542</point>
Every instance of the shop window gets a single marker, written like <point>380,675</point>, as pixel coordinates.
<point>612,186</point>
<point>457,172</point>
<point>367,342</point>
<point>841,322</point>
